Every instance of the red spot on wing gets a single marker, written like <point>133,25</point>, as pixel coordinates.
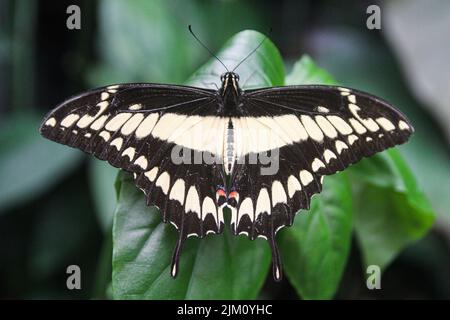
<point>233,194</point>
<point>221,193</point>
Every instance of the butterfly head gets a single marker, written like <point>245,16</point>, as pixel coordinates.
<point>230,90</point>
<point>230,80</point>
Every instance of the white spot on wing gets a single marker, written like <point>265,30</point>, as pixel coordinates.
<point>293,185</point>
<point>368,123</point>
<point>151,175</point>
<point>117,142</point>
<point>340,146</point>
<point>99,123</point>
<point>132,124</point>
<point>141,162</point>
<point>104,96</point>
<point>278,193</point>
<point>87,119</point>
<point>105,135</point>
<point>246,208</point>
<point>193,201</point>
<point>129,152</point>
<point>146,126</point>
<point>328,155</point>
<point>69,120</point>
<point>163,182</point>
<point>359,128</point>
<point>340,124</point>
<point>306,177</point>
<point>351,98</point>
<point>317,164</point>
<point>385,124</point>
<point>50,122</point>
<point>322,109</point>
<point>326,127</point>
<point>136,106</point>
<point>352,138</point>
<point>117,121</point>
<point>402,125</point>
<point>344,91</point>
<point>312,128</point>
<point>263,202</point>
<point>177,191</point>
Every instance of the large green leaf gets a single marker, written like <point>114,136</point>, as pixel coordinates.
<point>391,211</point>
<point>316,247</point>
<point>211,268</point>
<point>30,164</point>
<point>263,69</point>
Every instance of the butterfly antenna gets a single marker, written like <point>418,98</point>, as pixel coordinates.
<point>207,49</point>
<point>252,52</point>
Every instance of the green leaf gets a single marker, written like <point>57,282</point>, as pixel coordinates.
<point>391,212</point>
<point>102,179</point>
<point>148,47</point>
<point>29,164</point>
<point>316,247</point>
<point>264,68</point>
<point>305,71</point>
<point>210,268</point>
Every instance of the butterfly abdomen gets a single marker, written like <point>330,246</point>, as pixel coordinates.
<point>229,154</point>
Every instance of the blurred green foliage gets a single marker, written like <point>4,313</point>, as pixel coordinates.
<point>57,209</point>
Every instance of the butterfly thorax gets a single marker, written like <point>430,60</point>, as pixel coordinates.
<point>230,93</point>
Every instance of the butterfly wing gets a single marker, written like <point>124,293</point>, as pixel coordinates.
<point>311,131</point>
<point>143,128</point>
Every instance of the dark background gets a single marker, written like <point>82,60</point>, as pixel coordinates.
<point>56,204</point>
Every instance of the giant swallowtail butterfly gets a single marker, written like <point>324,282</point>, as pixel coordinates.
<point>313,130</point>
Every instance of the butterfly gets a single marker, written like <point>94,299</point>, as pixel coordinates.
<point>195,152</point>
